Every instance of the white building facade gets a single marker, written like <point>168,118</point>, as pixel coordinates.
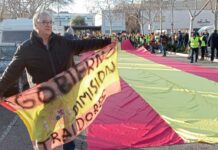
<point>118,22</point>
<point>181,21</point>
<point>64,18</point>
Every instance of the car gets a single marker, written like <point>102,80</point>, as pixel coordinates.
<point>12,33</point>
<point>6,54</point>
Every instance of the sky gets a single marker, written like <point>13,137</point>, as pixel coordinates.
<point>81,6</point>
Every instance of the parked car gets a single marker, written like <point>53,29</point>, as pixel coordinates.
<point>6,54</point>
<point>13,32</point>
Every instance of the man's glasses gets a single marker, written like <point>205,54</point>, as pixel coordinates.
<point>44,22</point>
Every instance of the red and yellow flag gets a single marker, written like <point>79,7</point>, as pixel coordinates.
<point>56,111</point>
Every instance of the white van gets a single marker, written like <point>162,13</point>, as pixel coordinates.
<point>14,31</point>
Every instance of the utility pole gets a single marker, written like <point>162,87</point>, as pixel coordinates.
<point>172,20</point>
<point>150,28</point>
<point>161,5</point>
<point>216,15</point>
<point>58,7</point>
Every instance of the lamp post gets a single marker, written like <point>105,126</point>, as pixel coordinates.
<point>58,7</point>
<point>161,17</point>
<point>172,20</point>
<point>216,15</point>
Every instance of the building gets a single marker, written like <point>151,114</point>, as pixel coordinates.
<point>117,19</point>
<point>64,18</point>
<point>181,19</point>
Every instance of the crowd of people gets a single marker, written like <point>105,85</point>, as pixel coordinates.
<point>71,35</point>
<point>158,41</point>
<point>41,57</point>
<point>195,44</point>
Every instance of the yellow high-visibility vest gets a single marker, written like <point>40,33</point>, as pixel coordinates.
<point>194,42</point>
<point>203,43</point>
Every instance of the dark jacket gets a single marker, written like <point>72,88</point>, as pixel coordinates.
<point>164,39</point>
<point>213,40</point>
<point>44,62</point>
<point>71,36</point>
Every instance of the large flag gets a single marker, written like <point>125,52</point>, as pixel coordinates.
<point>162,102</point>
<point>56,111</point>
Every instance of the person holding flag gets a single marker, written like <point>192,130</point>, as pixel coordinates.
<point>45,55</point>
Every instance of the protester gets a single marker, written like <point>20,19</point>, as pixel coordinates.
<point>186,39</point>
<point>45,55</point>
<point>213,43</point>
<point>164,42</point>
<point>194,45</point>
<point>207,37</point>
<point>179,39</point>
<point>69,34</point>
<point>152,42</point>
<point>203,45</point>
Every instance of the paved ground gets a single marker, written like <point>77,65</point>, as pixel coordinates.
<point>14,136</point>
<point>184,57</point>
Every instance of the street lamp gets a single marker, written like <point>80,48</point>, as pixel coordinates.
<point>172,20</point>
<point>216,15</point>
<point>58,7</point>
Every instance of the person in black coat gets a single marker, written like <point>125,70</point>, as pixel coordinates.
<point>213,43</point>
<point>45,55</point>
<point>69,34</point>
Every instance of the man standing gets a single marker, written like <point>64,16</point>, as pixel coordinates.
<point>45,55</point>
<point>203,45</point>
<point>186,39</point>
<point>194,44</point>
<point>179,39</point>
<point>213,43</point>
<point>69,34</point>
<point>164,42</point>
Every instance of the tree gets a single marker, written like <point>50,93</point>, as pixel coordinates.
<point>78,21</point>
<point>131,15</point>
<point>27,8</point>
<point>214,5</point>
<point>193,13</point>
<point>106,8</point>
<point>172,3</point>
<point>60,3</point>
<point>150,10</point>
<point>162,5</point>
<point>142,11</point>
<point>132,24</point>
<point>2,9</point>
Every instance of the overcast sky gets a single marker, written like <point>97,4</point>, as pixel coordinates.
<point>80,6</point>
